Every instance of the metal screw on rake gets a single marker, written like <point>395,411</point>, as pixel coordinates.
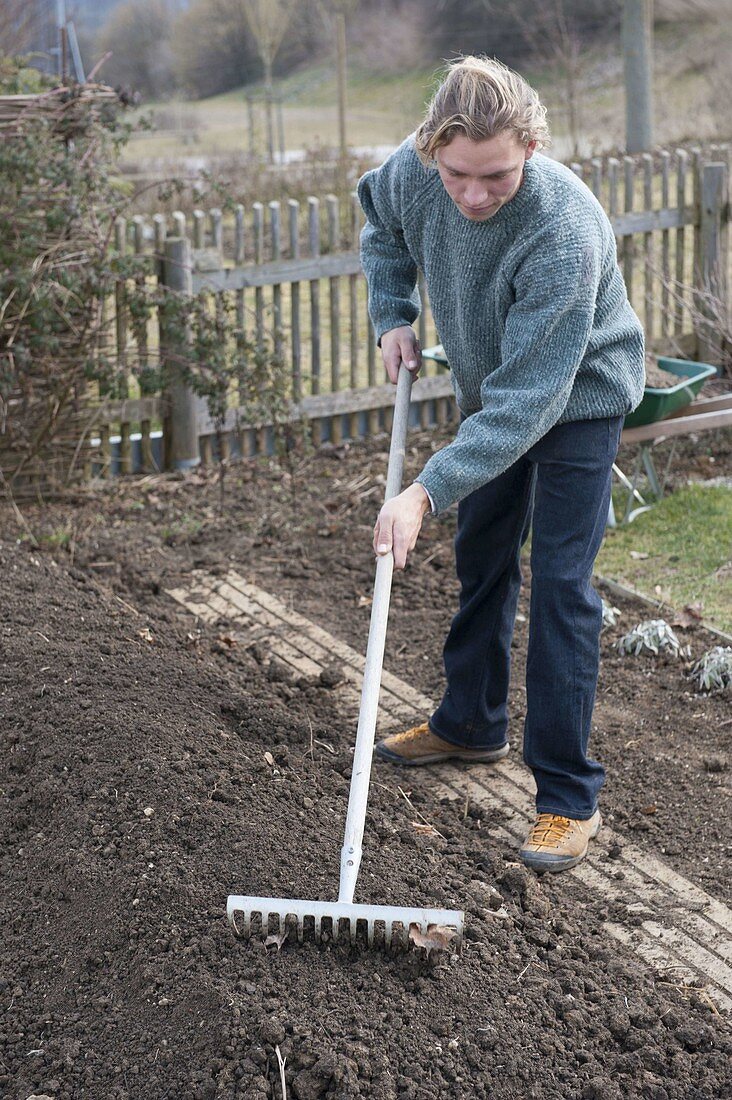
<point>385,925</point>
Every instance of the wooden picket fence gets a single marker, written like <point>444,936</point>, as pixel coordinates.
<point>294,272</point>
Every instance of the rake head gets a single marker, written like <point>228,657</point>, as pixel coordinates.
<point>385,925</point>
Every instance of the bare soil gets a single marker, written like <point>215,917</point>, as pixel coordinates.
<point>658,378</point>
<point>136,794</point>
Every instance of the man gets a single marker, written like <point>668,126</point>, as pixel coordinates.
<point>547,357</point>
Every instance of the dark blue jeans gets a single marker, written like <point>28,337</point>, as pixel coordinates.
<point>560,490</point>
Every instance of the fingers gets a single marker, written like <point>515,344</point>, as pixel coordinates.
<point>383,535</point>
<point>392,364</point>
<point>388,536</point>
<point>398,525</point>
<point>411,353</point>
<point>400,550</point>
<point>401,346</point>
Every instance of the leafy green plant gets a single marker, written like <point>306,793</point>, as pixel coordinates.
<point>58,539</point>
<point>713,671</point>
<point>59,275</point>
<point>652,636</point>
<point>610,615</point>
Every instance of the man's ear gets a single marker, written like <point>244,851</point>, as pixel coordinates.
<point>529,150</point>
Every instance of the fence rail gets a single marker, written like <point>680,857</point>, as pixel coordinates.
<point>292,272</point>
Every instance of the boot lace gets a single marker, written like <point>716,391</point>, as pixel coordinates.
<point>550,829</point>
<point>413,734</point>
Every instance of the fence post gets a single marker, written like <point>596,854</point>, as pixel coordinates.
<point>180,429</point>
<point>713,297</point>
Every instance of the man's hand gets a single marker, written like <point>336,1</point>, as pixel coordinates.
<point>399,523</point>
<point>400,345</point>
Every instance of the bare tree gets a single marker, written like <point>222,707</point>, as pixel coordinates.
<point>550,33</point>
<point>268,21</point>
<point>334,14</point>
<point>138,38</point>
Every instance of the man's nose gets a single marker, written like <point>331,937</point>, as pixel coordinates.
<point>476,194</point>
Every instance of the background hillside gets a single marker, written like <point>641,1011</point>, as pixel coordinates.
<point>194,62</point>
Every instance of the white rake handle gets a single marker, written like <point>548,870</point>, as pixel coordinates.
<point>363,753</point>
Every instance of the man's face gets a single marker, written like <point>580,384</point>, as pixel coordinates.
<point>482,176</point>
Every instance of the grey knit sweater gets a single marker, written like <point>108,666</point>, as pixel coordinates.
<point>530,307</point>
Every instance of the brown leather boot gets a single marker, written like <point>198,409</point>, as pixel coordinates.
<point>557,843</point>
<point>420,745</point>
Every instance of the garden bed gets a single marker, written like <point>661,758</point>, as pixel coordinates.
<point>137,795</point>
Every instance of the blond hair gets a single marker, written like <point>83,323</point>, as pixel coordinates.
<point>481,97</point>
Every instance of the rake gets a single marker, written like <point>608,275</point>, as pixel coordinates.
<point>385,925</point>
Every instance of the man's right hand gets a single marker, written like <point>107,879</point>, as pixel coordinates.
<point>400,345</point>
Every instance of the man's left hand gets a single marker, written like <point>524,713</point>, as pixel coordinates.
<point>399,523</point>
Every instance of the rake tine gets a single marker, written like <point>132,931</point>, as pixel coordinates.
<point>337,921</point>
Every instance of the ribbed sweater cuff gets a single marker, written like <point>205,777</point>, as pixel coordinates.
<point>385,325</point>
<point>437,504</point>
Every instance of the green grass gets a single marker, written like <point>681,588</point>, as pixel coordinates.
<point>688,540</point>
<point>58,539</point>
<point>381,110</point>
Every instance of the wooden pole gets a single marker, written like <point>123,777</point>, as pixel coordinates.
<point>180,431</point>
<point>268,97</point>
<point>713,301</point>
<point>340,25</point>
<point>637,40</point>
<point>251,127</point>
<point>281,128</point>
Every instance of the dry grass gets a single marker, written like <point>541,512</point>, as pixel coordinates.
<point>691,78</point>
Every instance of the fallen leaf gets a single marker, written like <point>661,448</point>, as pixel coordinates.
<point>277,939</point>
<point>364,601</point>
<point>269,758</point>
<point>437,938</point>
<point>638,555</point>
<point>425,829</point>
<point>690,615</point>
<point>649,810</point>
<point>146,634</point>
